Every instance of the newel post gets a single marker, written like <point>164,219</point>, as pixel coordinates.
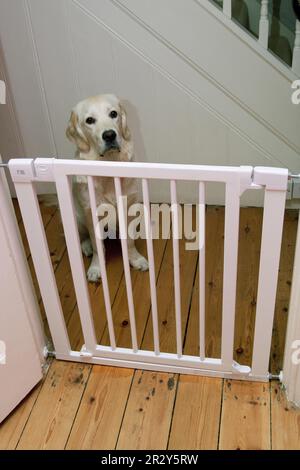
<point>296,52</point>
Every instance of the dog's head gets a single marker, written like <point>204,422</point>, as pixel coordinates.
<point>98,127</point>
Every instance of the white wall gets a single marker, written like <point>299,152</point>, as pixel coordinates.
<point>193,90</point>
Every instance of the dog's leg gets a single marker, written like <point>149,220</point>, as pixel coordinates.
<point>87,247</point>
<point>136,260</point>
<point>85,241</point>
<point>86,244</point>
<point>94,272</point>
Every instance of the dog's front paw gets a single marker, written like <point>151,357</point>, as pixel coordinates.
<point>94,273</point>
<point>139,263</point>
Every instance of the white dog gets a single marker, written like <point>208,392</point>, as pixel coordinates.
<point>98,127</point>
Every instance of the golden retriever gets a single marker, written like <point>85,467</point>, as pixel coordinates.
<point>98,127</point>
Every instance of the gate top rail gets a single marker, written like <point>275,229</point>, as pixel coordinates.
<point>46,169</point>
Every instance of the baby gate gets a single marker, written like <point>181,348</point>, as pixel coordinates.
<point>26,172</point>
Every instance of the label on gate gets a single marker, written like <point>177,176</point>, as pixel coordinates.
<point>2,353</point>
<point>2,92</point>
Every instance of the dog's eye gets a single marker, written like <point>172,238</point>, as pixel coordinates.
<point>113,114</point>
<point>90,120</point>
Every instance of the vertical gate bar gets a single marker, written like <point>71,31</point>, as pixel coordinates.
<point>274,206</point>
<point>152,277</point>
<point>65,199</point>
<point>176,262</point>
<point>123,235</point>
<point>202,269</point>
<point>232,214</point>
<point>101,256</point>
<point>35,233</point>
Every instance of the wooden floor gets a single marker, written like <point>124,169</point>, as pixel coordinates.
<point>95,407</point>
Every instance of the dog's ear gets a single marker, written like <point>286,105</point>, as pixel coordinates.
<point>125,130</point>
<point>75,134</point>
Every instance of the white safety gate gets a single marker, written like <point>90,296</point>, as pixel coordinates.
<point>26,172</point>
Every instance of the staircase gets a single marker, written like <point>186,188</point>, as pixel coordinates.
<point>273,23</point>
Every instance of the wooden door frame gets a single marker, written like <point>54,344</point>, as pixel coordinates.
<point>8,218</point>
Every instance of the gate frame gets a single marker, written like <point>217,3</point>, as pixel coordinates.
<point>25,172</point>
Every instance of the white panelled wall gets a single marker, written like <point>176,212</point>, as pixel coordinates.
<point>195,90</point>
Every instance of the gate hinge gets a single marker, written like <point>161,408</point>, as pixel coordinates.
<point>293,186</point>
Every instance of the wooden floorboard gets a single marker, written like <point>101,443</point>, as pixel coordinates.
<point>148,414</point>
<point>98,421</point>
<point>197,413</point>
<point>245,419</point>
<point>285,421</point>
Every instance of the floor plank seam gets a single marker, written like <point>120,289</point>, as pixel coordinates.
<point>173,411</point>
<point>221,409</point>
<point>270,392</point>
<point>79,404</point>
<point>124,411</point>
<point>190,303</point>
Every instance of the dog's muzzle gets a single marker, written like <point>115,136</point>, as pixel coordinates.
<point>110,139</point>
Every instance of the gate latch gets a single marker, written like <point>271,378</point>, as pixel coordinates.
<point>85,353</point>
<point>293,186</point>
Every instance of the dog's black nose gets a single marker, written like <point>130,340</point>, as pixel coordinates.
<point>109,136</point>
